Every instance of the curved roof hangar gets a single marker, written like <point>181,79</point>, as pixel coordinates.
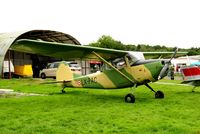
<point>7,39</point>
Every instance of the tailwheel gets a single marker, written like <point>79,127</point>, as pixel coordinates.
<point>130,98</point>
<point>63,90</point>
<point>159,94</point>
<point>193,89</point>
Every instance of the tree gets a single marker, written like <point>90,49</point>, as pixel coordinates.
<point>194,51</point>
<point>108,42</point>
<point>130,47</point>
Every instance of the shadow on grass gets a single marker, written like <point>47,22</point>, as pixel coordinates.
<point>189,91</point>
<point>105,96</point>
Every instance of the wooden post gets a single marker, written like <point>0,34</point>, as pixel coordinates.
<point>9,76</point>
<point>85,68</point>
<point>2,74</point>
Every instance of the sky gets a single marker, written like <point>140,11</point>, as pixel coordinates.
<point>154,22</point>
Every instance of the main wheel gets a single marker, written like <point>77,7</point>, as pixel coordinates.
<point>159,94</point>
<point>130,98</point>
<point>63,91</point>
<point>43,76</point>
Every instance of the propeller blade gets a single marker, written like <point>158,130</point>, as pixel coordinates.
<point>163,71</point>
<point>166,66</point>
<point>176,50</point>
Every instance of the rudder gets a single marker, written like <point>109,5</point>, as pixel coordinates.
<point>64,73</point>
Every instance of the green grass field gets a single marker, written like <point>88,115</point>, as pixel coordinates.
<point>98,111</point>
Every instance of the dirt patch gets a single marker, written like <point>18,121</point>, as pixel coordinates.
<point>5,93</point>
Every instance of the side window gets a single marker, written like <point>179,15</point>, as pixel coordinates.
<point>105,67</point>
<point>119,63</point>
<point>51,65</point>
<point>56,65</point>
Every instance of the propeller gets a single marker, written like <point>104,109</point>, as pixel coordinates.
<point>166,66</point>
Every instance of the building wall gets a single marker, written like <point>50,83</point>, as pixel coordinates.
<point>19,58</point>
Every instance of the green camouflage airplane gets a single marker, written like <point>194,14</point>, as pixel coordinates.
<point>123,73</point>
<point>122,68</point>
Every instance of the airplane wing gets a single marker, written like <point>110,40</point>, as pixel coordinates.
<point>69,51</point>
<point>195,83</point>
<point>156,55</point>
<point>64,51</point>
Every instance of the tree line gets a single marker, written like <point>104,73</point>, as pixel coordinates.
<point>108,42</point>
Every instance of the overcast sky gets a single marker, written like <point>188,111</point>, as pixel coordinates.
<point>154,22</point>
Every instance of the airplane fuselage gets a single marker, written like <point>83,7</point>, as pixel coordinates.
<point>111,79</point>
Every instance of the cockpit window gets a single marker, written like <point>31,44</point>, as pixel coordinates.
<point>119,63</point>
<point>133,57</point>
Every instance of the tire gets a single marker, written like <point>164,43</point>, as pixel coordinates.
<point>130,98</point>
<point>159,94</point>
<point>43,76</point>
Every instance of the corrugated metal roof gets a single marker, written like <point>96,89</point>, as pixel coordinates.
<point>7,39</point>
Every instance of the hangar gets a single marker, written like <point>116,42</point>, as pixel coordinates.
<point>20,58</point>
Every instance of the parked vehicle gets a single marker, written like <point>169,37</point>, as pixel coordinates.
<point>6,69</point>
<point>50,70</point>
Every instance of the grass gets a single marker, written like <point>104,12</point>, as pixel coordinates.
<point>98,111</point>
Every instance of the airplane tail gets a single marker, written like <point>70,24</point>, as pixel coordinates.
<point>64,73</point>
<point>191,73</point>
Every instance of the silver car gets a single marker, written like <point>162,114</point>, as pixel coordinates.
<point>50,70</point>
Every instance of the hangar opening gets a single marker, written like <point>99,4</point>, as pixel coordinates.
<point>19,59</point>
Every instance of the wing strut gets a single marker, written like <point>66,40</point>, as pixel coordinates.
<point>109,64</point>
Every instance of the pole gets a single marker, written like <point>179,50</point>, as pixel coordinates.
<point>9,76</point>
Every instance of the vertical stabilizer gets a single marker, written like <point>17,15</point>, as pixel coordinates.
<point>64,73</point>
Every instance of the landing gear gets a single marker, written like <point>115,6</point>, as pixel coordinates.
<point>158,94</point>
<point>63,90</point>
<point>130,98</point>
<point>193,89</point>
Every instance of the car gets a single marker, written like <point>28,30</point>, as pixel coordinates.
<point>51,68</point>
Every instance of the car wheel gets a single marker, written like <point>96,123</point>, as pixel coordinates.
<point>43,76</point>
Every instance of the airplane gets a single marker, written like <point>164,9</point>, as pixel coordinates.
<point>121,68</point>
<point>191,76</point>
